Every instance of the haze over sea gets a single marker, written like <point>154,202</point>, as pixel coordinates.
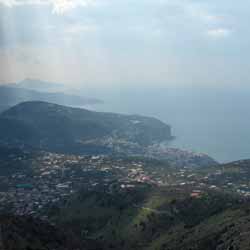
<point>211,120</point>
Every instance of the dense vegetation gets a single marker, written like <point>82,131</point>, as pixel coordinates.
<point>109,211</point>
<point>59,128</point>
<point>153,218</point>
<point>114,201</point>
<point>26,233</point>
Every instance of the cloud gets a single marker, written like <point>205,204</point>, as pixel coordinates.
<point>59,6</point>
<point>79,28</point>
<point>77,39</point>
<point>219,33</point>
<point>62,6</point>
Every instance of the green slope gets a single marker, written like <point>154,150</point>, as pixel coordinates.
<point>26,233</point>
<point>60,128</point>
<point>151,218</point>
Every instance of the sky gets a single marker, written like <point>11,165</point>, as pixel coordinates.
<point>123,42</point>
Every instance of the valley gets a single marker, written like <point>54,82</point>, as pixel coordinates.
<point>124,125</point>
<point>122,201</point>
<point>111,181</point>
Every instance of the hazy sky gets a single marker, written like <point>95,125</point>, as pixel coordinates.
<point>119,42</point>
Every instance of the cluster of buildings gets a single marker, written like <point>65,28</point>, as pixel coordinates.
<point>53,178</point>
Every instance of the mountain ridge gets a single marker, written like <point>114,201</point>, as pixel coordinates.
<point>12,95</point>
<point>53,126</point>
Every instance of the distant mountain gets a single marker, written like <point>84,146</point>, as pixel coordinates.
<point>39,85</point>
<point>71,130</point>
<point>10,96</point>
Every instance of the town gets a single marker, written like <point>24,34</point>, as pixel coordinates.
<point>52,178</point>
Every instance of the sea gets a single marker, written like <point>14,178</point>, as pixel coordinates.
<point>211,120</point>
